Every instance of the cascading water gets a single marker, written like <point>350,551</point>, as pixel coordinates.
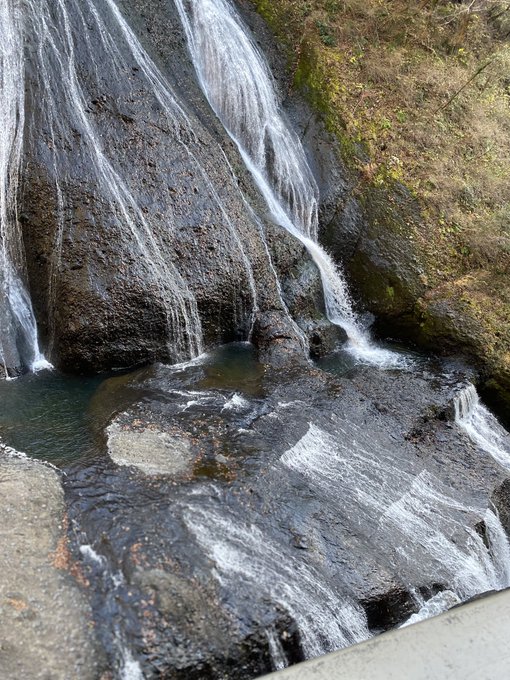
<point>420,522</point>
<point>239,87</point>
<point>50,24</point>
<point>402,516</point>
<point>243,554</point>
<point>278,655</point>
<point>397,514</point>
<point>238,84</point>
<point>19,346</point>
<point>481,426</point>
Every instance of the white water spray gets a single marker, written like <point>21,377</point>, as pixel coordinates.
<point>437,604</point>
<point>481,426</point>
<point>19,346</point>
<point>424,532</point>
<point>243,554</point>
<point>238,84</point>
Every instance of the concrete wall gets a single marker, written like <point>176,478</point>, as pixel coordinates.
<point>471,642</point>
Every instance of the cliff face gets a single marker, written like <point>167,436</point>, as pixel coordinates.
<point>416,99</point>
<point>137,213</point>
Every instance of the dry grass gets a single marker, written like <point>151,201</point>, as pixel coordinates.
<point>425,87</point>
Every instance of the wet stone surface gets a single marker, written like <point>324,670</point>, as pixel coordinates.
<point>147,448</point>
<point>309,508</point>
<point>137,217</point>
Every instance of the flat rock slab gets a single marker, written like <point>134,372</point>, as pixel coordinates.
<point>44,621</point>
<point>149,449</point>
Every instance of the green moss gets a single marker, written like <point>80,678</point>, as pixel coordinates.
<point>317,76</point>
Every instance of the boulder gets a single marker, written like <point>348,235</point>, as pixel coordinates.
<point>140,241</point>
<point>45,620</point>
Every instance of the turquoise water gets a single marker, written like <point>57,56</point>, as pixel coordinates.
<point>46,415</point>
<point>59,418</point>
<point>233,367</point>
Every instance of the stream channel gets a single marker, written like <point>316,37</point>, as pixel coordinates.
<point>230,519</point>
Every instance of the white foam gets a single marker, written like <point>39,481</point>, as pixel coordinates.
<point>436,605</point>
<point>481,426</point>
<point>235,403</point>
<point>88,552</point>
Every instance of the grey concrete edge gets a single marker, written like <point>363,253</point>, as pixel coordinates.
<point>468,642</point>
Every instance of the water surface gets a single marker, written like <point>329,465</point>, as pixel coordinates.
<point>46,415</point>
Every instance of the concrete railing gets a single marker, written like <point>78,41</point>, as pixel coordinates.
<point>470,642</point>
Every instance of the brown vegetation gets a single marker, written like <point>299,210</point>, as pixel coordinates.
<point>424,86</point>
<point>418,92</point>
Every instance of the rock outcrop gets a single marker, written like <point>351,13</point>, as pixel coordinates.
<point>45,620</point>
<point>141,241</point>
<point>275,497</point>
<point>421,235</point>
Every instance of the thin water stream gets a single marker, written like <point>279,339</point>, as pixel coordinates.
<point>246,102</point>
<point>19,345</point>
<point>481,426</point>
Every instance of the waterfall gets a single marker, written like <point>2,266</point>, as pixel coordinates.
<point>276,650</point>
<point>51,26</point>
<point>243,555</point>
<point>19,346</point>
<point>238,84</point>
<point>499,551</point>
<point>481,426</point>
<point>423,530</point>
<point>389,513</point>
<point>436,605</point>
<point>239,87</point>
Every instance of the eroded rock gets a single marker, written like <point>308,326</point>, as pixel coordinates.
<point>312,505</point>
<point>140,241</point>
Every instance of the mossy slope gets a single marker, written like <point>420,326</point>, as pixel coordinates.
<point>417,96</point>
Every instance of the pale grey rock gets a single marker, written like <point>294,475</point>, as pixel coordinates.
<point>45,626</point>
<point>151,450</point>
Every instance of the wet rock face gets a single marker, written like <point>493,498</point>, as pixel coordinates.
<point>203,643</point>
<point>265,544</point>
<point>501,499</point>
<point>137,236</point>
<point>341,218</point>
<point>385,265</point>
<point>45,621</point>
